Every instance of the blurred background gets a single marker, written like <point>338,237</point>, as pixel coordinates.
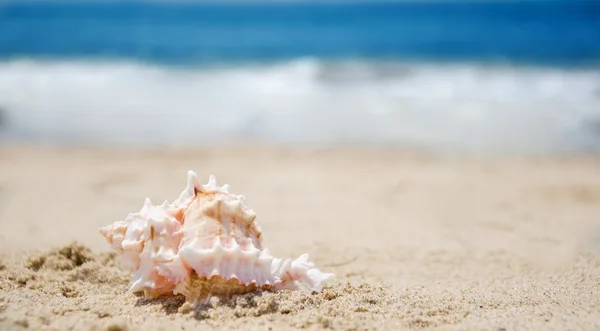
<point>499,76</point>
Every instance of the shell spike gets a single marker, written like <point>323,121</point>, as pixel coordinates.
<point>105,231</point>
<point>212,182</point>
<point>190,190</point>
<point>147,205</point>
<point>192,180</point>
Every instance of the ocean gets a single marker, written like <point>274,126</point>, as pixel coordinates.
<point>493,76</point>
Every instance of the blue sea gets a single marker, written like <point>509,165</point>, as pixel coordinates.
<point>499,76</point>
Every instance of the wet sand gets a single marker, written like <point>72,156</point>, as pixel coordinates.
<point>416,241</point>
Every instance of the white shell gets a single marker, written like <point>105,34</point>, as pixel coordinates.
<point>205,243</point>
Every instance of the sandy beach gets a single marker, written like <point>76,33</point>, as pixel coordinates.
<point>416,241</point>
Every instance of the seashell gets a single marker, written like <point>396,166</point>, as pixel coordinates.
<point>205,243</point>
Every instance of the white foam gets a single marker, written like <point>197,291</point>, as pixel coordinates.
<point>454,107</point>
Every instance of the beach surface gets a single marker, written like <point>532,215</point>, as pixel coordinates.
<point>416,241</point>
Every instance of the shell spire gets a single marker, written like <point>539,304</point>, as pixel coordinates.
<point>204,243</point>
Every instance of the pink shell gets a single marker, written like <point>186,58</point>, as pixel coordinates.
<point>204,243</point>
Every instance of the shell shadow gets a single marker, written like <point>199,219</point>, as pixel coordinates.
<point>170,304</point>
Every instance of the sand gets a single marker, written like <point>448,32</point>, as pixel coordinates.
<point>416,241</point>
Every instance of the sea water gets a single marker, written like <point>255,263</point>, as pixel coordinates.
<point>519,76</point>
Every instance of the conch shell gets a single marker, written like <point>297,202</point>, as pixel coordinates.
<point>205,243</point>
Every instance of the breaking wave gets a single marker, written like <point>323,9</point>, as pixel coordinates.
<point>462,107</point>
